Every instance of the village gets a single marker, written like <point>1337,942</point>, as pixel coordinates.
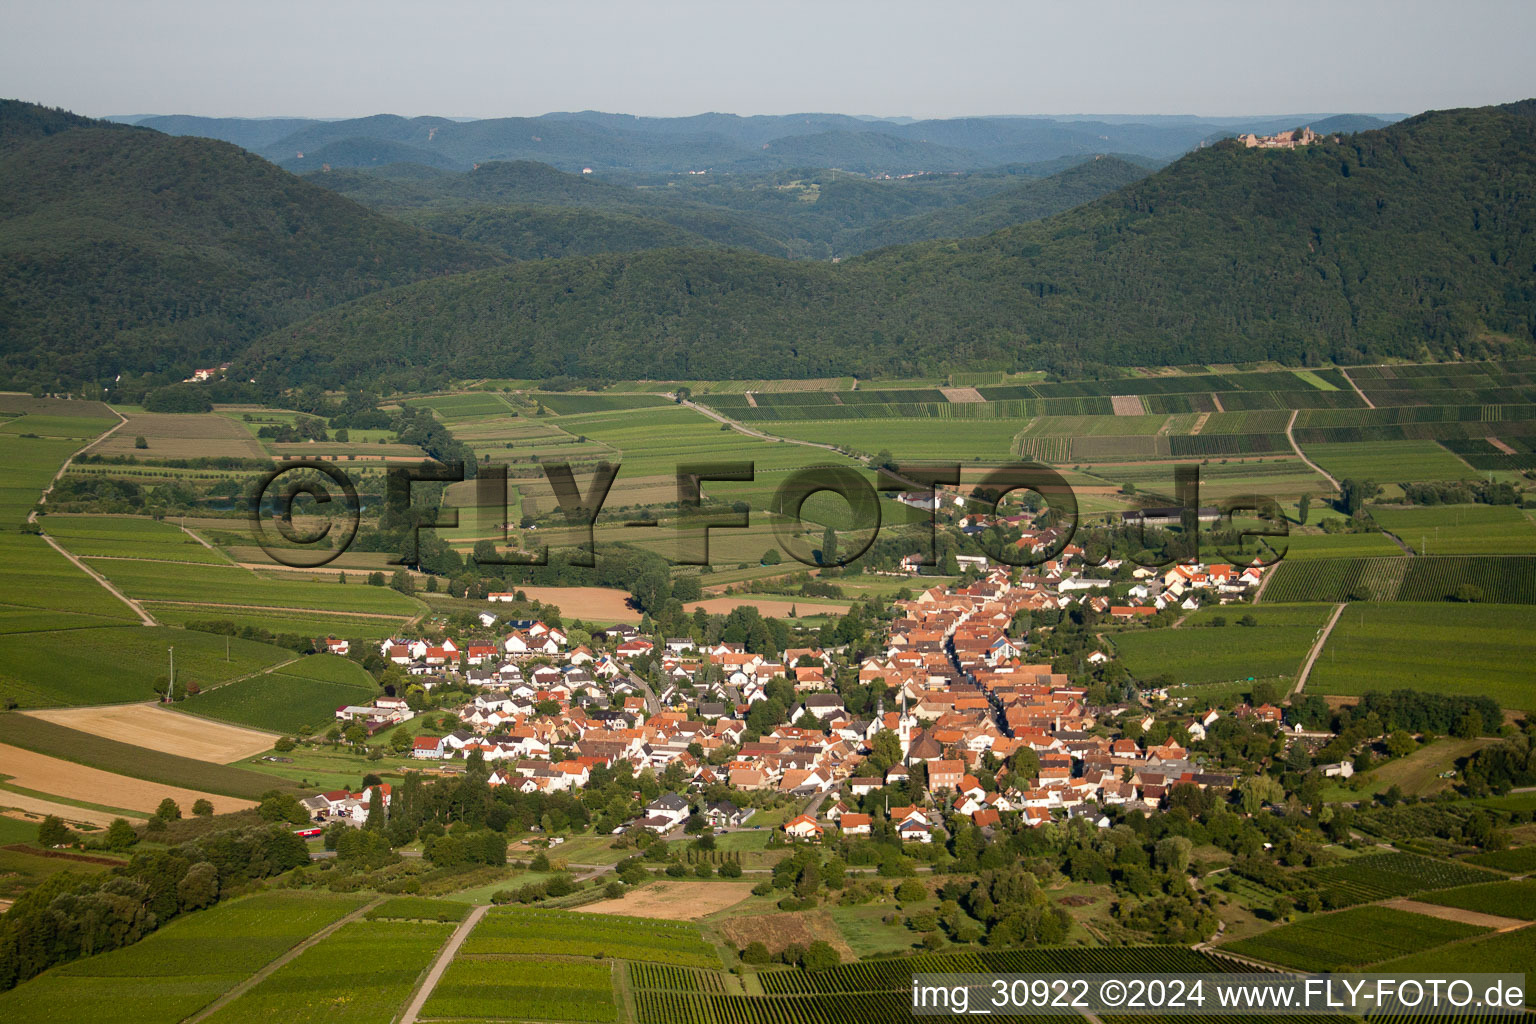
<point>959,699</point>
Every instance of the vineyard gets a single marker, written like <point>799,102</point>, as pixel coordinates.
<point>1502,899</point>
<point>675,979</point>
<point>531,989</point>
<point>1501,580</point>
<point>896,974</point>
<point>520,930</point>
<point>1351,938</point>
<point>1382,876</point>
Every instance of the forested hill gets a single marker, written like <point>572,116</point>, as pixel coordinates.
<point>1031,199</point>
<point>1414,240</point>
<point>122,248</point>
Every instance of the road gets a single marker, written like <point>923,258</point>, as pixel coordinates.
<point>1303,455</point>
<point>435,974</point>
<point>652,704</point>
<point>1317,649</point>
<point>261,975</point>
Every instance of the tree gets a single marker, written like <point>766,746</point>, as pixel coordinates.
<point>140,442</point>
<point>168,811</point>
<point>828,546</point>
<point>1303,509</point>
<point>885,750</point>
<point>820,956</point>
<point>120,834</point>
<point>911,891</point>
<point>52,831</point>
<point>772,557</point>
<point>199,887</point>
<point>1401,744</point>
<point>755,953</point>
<point>202,808</point>
<point>375,808</point>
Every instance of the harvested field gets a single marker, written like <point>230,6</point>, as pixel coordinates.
<point>45,774</point>
<point>603,603</point>
<point>36,808</point>
<point>1127,405</point>
<point>777,607</point>
<point>777,931</point>
<point>674,901</point>
<point>148,725</point>
<point>182,436</point>
<point>962,394</point>
<point>1500,924</point>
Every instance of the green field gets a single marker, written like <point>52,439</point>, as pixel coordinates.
<point>125,759</point>
<point>37,576</point>
<point>1461,529</point>
<point>516,930</point>
<point>1388,462</point>
<point>418,908</point>
<point>318,624</point>
<point>1378,876</point>
<point>212,585</point>
<point>28,463</point>
<point>129,538</point>
<point>361,974</point>
<point>112,664</point>
<point>1506,952</point>
<point>1439,648</point>
<point>1501,899</point>
<point>280,701</point>
<point>1341,545</point>
<point>1351,939</point>
<point>180,968</point>
<point>1519,859</point>
<point>546,990</point>
<point>1200,653</point>
<point>1437,578</point>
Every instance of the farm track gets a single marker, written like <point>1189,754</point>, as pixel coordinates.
<point>1317,649</point>
<point>261,975</point>
<point>138,609</point>
<point>435,972</point>
<point>1289,436</point>
<point>1345,374</point>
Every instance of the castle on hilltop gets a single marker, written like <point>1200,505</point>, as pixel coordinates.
<point>1280,140</point>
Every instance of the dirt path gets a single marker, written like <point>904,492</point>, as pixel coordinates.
<point>262,975</point>
<point>1317,649</point>
<point>1199,424</point>
<point>1303,455</point>
<point>1368,403</point>
<point>1216,401</point>
<point>138,609</point>
<point>1499,924</point>
<point>435,974</point>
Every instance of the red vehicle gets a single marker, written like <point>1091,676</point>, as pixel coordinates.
<point>308,833</point>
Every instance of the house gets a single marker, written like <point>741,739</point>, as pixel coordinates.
<point>1337,770</point>
<point>427,748</point>
<point>803,827</point>
<point>854,824</point>
<point>724,814</point>
<point>944,774</point>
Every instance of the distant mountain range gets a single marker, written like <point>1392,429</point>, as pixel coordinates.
<point>128,250</point>
<point>1417,240</point>
<point>725,142</point>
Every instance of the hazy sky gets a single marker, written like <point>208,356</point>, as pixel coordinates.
<point>928,58</point>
